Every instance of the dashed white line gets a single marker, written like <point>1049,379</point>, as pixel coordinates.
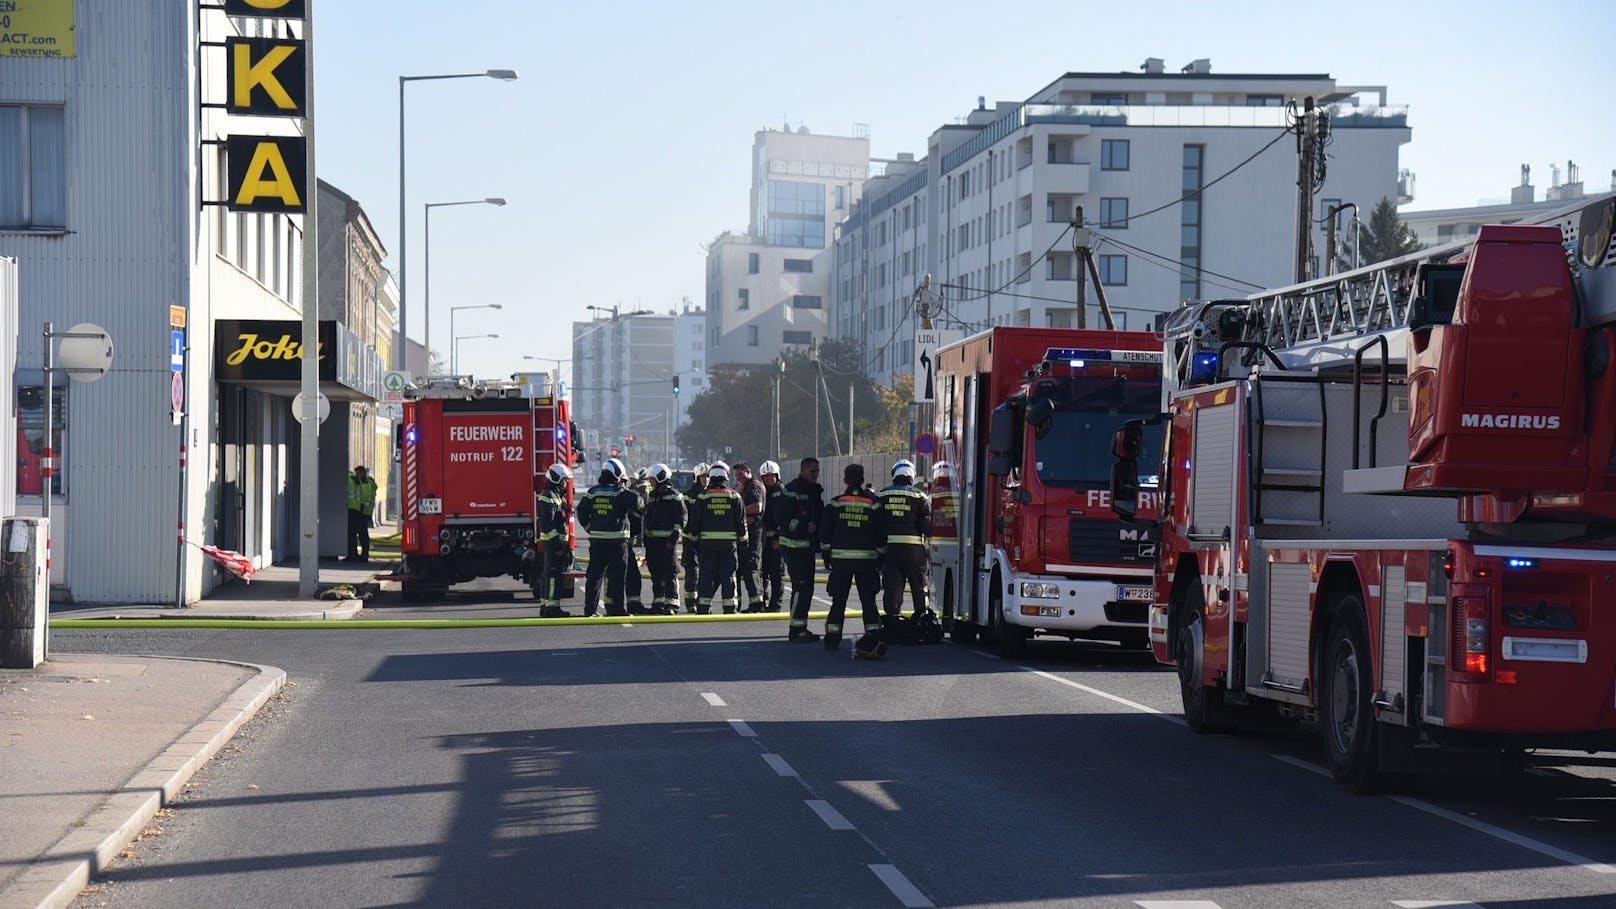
<point>713,700</point>
<point>832,818</point>
<point>1434,904</point>
<point>742,729</point>
<point>907,893</point>
<point>1176,904</point>
<point>1525,842</point>
<point>1135,705</point>
<point>779,764</point>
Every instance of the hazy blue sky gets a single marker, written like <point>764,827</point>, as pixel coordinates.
<point>625,145</point>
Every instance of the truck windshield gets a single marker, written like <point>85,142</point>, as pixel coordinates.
<point>1076,448</point>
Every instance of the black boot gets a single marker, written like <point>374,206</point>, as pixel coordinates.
<point>802,636</point>
<point>833,640</point>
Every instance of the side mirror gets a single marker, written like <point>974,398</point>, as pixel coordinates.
<point>1125,488</point>
<point>1040,410</point>
<point>1002,432</point>
<point>1128,441</point>
<point>999,465</point>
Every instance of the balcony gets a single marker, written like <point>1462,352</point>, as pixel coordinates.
<point>1063,178</point>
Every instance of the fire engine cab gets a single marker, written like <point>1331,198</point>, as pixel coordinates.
<point>1390,501</point>
<point>474,455</point>
<point>1023,541</point>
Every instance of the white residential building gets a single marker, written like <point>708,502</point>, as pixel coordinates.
<point>1443,225</point>
<point>623,369</point>
<point>986,211</point>
<point>770,285</point>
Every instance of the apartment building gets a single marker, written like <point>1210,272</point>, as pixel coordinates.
<point>623,367</point>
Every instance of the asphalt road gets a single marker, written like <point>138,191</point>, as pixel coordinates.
<point>718,765</point>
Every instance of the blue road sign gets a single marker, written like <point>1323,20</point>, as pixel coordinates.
<point>176,350</point>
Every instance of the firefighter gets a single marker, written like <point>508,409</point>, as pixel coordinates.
<point>633,581</point>
<point>753,498</point>
<point>665,518</point>
<point>801,510</point>
<point>717,522</point>
<point>555,549</point>
<point>903,519</point>
<point>689,557</point>
<point>772,578</point>
<point>606,511</point>
<point>849,544</point>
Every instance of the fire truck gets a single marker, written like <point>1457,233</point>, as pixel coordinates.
<point>1023,541</point>
<point>1390,503</point>
<point>474,455</point>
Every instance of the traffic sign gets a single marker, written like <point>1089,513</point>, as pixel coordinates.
<point>927,340</point>
<point>394,381</point>
<point>925,443</point>
<point>390,411</point>
<point>176,350</point>
<point>301,408</point>
<point>86,352</point>
<point>176,391</point>
<point>176,317</point>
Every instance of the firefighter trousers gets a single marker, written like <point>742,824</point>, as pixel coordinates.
<point>905,563</point>
<point>608,562</point>
<point>844,575</point>
<point>747,574</point>
<point>691,559</point>
<point>773,577</point>
<point>717,576</point>
<point>556,559</point>
<point>633,581</point>
<point>800,564</point>
<point>661,558</point>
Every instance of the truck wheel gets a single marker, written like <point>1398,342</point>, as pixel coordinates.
<point>1013,640</point>
<point>1135,640</point>
<point>1203,707</point>
<point>1346,714</point>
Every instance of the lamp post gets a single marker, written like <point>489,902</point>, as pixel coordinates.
<point>454,346</point>
<point>400,360</point>
<point>454,361</point>
<point>556,360</point>
<point>426,279</point>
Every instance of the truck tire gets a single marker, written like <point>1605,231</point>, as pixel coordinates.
<point>1203,707</point>
<point>1013,640</point>
<point>1346,712</point>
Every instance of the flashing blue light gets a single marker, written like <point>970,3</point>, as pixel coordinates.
<point>1078,364</point>
<point>1204,368</point>
<point>409,435</point>
<point>1520,563</point>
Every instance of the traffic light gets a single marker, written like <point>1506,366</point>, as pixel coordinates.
<point>676,384</point>
<point>628,440</point>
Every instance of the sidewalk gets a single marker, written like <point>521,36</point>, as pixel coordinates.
<point>273,594</point>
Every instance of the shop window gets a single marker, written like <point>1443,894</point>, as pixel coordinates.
<point>31,440</point>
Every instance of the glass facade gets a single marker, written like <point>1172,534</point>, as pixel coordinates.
<point>1189,252</point>
<point>796,214</point>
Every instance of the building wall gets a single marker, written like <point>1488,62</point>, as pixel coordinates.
<point>623,386</point>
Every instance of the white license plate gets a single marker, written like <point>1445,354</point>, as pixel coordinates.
<point>431,505</point>
<point>1136,593</point>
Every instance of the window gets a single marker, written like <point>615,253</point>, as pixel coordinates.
<point>797,337</point>
<point>841,197</point>
<point>33,167</point>
<point>31,443</point>
<point>803,266</point>
<point>1265,100</point>
<point>1114,213</point>
<point>881,275</point>
<point>745,297</point>
<point>751,336</point>
<point>807,301</point>
<point>1113,154</point>
<point>1108,100</point>
<point>1114,270</point>
<point>796,214</point>
<point>752,263</point>
<point>1189,250</point>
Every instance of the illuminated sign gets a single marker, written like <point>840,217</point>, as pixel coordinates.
<point>267,173</point>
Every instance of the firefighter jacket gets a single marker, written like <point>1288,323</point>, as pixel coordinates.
<point>754,493</point>
<point>772,506</point>
<point>610,512</point>
<point>665,514</point>
<point>803,506</point>
<point>849,531</point>
<point>903,515</point>
<point>553,512</point>
<point>717,516</point>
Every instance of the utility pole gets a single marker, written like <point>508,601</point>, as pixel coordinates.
<point>1306,154</point>
<point>1083,255</point>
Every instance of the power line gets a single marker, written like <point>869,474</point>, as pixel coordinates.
<point>1024,271</point>
<point>1203,188</point>
<point>1205,271</point>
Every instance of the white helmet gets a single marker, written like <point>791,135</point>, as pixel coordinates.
<point>904,468</point>
<point>660,473</point>
<point>719,471</point>
<point>768,467</point>
<point>701,470</point>
<point>616,467</point>
<point>640,474</point>
<point>559,473</point>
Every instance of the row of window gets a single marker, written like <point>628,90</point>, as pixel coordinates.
<point>1189,252</point>
<point>798,301</point>
<point>754,264</point>
<point>804,338</point>
<point>795,214</point>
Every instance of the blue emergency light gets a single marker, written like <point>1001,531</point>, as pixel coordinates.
<point>1520,563</point>
<point>1204,368</point>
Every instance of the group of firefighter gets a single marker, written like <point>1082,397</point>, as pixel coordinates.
<point>741,532</point>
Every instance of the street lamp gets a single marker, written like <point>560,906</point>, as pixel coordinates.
<point>454,347</point>
<point>503,75</point>
<point>426,281</point>
<point>454,368</point>
<point>613,313</point>
<point>556,360</point>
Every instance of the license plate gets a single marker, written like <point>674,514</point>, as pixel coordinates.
<point>432,505</point>
<point>1136,593</point>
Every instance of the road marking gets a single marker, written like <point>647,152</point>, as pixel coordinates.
<point>1108,696</point>
<point>1176,904</point>
<point>742,729</point>
<point>779,764</point>
<point>628,625</point>
<point>1434,904</point>
<point>1525,842</point>
<point>832,818</point>
<point>713,700</point>
<point>907,893</point>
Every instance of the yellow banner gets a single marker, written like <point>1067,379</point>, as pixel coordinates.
<point>37,28</point>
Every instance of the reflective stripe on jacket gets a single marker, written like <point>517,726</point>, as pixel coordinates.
<point>717,516</point>
<point>903,515</point>
<point>850,531</point>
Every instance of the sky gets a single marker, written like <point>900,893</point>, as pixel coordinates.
<point>625,145</point>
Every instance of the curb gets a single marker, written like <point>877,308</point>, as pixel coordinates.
<point>341,610</point>
<point>55,879</point>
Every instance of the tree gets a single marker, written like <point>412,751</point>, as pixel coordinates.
<point>1384,236</point>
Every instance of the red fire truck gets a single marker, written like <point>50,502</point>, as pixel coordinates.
<point>1023,541</point>
<point>474,458</point>
<point>1390,502</point>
